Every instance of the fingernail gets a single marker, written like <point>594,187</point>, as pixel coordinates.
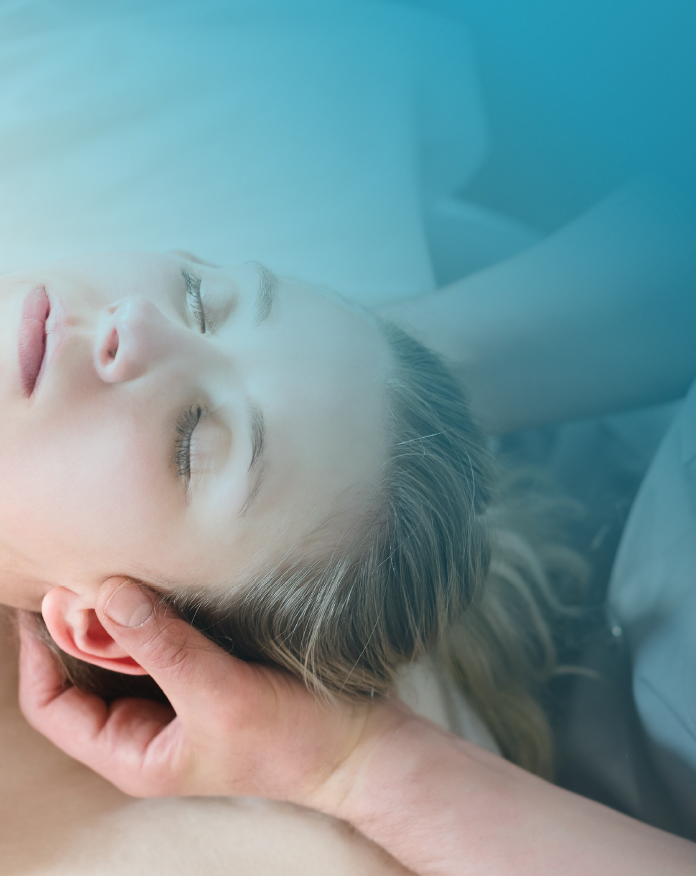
<point>129,606</point>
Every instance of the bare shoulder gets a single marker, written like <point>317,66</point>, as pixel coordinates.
<point>58,817</point>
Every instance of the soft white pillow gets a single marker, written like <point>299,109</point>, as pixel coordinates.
<point>302,134</point>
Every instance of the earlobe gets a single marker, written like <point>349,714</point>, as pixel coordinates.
<point>77,630</point>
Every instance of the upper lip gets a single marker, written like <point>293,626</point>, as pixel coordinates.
<point>32,337</point>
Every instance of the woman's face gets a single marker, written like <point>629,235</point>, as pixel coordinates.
<point>186,421</point>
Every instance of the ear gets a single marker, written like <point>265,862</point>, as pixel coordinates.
<point>77,630</point>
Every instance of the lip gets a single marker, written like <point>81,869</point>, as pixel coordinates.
<point>41,331</point>
<point>32,337</point>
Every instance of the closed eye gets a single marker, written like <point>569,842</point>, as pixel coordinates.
<point>194,301</point>
<point>185,426</point>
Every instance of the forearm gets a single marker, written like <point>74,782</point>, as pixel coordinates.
<point>598,317</point>
<point>437,804</point>
<point>442,806</point>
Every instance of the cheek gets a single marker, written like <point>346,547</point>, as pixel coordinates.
<point>328,434</point>
<point>71,487</point>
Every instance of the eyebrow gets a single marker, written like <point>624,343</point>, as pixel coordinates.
<point>257,466</point>
<point>266,295</point>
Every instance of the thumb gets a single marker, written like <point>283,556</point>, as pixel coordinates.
<point>181,660</point>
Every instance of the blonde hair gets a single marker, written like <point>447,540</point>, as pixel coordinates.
<point>444,562</point>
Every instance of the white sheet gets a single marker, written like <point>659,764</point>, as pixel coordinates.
<point>304,134</point>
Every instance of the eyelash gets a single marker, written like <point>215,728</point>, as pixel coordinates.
<point>185,425</point>
<point>193,297</point>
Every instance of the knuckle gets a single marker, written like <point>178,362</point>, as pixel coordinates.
<point>140,779</point>
<point>26,707</point>
<point>133,787</point>
<point>166,648</point>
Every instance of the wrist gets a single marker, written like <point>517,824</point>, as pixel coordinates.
<point>386,727</point>
<point>397,788</point>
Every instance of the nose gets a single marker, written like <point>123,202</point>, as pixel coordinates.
<point>131,337</point>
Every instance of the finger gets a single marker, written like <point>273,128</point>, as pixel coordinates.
<point>44,682</point>
<point>133,743</point>
<point>189,668</point>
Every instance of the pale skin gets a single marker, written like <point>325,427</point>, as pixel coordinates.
<point>438,804</point>
<point>93,458</point>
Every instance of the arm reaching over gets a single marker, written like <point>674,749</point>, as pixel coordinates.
<point>444,806</point>
<point>598,317</point>
<point>437,804</point>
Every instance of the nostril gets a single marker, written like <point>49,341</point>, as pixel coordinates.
<point>129,339</point>
<point>112,345</point>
